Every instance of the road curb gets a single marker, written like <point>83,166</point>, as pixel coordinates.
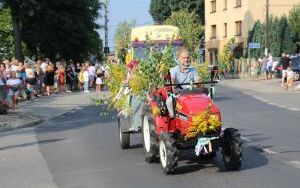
<point>26,125</point>
<point>33,123</point>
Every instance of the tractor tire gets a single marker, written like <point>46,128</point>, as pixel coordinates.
<point>150,141</point>
<point>232,149</point>
<point>124,137</point>
<point>168,153</point>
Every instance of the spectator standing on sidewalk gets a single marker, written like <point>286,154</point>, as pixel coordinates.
<point>270,66</point>
<point>2,84</point>
<point>49,80</point>
<point>60,78</point>
<point>290,78</point>
<point>285,62</point>
<point>40,77</point>
<point>264,68</point>
<point>99,80</point>
<point>86,79</point>
<point>92,74</point>
<point>70,78</point>
<point>30,82</point>
<point>77,70</point>
<point>13,83</point>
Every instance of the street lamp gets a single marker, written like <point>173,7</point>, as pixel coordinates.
<point>105,4</point>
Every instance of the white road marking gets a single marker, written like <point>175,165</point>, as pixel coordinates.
<point>78,108</point>
<point>269,152</point>
<point>246,139</point>
<point>295,164</point>
<point>264,100</point>
<point>273,104</point>
<point>281,106</point>
<point>294,109</point>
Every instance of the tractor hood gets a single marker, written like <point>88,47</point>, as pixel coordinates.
<point>191,104</point>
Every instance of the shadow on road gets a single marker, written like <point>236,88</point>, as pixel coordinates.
<point>31,144</point>
<point>77,119</point>
<point>189,162</point>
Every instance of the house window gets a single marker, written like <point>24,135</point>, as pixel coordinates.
<point>225,5</point>
<point>238,3</point>
<point>213,31</point>
<point>213,6</point>
<point>225,30</point>
<point>238,26</point>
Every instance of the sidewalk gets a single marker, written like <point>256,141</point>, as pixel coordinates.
<point>262,86</point>
<point>267,91</point>
<point>45,108</point>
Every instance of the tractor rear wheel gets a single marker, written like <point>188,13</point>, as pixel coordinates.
<point>150,141</point>
<point>124,136</point>
<point>232,148</point>
<point>167,153</point>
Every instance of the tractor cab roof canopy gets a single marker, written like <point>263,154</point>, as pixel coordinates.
<point>159,34</point>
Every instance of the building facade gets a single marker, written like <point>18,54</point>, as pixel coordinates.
<point>225,19</point>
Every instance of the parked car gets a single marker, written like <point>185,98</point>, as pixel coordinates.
<point>295,65</point>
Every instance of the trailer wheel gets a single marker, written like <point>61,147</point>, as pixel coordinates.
<point>124,136</point>
<point>149,140</point>
<point>167,153</point>
<point>232,148</point>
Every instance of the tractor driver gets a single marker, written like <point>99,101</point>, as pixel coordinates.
<point>183,73</point>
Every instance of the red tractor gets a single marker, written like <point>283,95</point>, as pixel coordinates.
<point>163,135</point>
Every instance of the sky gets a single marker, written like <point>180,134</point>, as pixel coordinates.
<point>121,10</point>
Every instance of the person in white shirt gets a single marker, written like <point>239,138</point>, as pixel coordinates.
<point>13,84</point>
<point>269,67</point>
<point>86,80</point>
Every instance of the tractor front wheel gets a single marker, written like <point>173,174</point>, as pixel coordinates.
<point>167,153</point>
<point>232,148</point>
<point>149,140</point>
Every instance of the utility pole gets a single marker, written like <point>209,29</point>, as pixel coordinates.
<point>106,48</point>
<point>267,28</point>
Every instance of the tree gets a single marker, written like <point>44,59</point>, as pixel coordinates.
<point>281,37</point>
<point>294,21</point>
<point>122,38</point>
<point>19,9</point>
<point>287,36</point>
<point>55,28</point>
<point>189,28</point>
<point>6,36</point>
<point>160,10</point>
<point>63,29</point>
<point>226,56</point>
<point>196,6</point>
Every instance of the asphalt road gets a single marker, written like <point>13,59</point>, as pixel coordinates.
<point>81,149</point>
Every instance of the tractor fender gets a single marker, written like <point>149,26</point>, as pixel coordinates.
<point>161,123</point>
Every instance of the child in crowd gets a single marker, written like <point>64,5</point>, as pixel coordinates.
<point>80,78</point>
<point>99,81</point>
<point>290,78</point>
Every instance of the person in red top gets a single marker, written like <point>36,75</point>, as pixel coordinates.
<point>61,79</point>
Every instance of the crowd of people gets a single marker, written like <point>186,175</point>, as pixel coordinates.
<point>29,80</point>
<point>264,69</point>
